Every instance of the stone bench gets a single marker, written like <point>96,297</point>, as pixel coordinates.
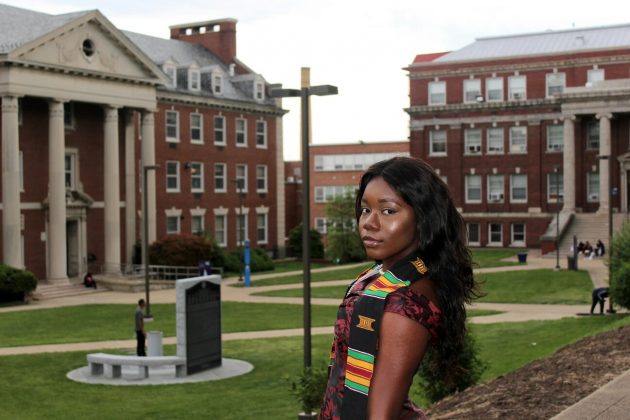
<point>97,362</point>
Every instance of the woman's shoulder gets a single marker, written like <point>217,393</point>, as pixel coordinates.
<point>417,302</point>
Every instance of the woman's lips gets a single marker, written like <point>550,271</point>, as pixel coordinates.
<point>370,242</point>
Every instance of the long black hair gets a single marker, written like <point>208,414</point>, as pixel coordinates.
<point>441,236</point>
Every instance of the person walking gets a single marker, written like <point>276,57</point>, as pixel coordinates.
<point>599,295</point>
<point>140,335</point>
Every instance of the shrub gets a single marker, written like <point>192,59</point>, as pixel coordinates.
<point>620,267</point>
<point>344,243</point>
<point>431,379</point>
<point>295,243</point>
<point>260,261</point>
<point>309,388</point>
<point>185,250</point>
<point>15,283</point>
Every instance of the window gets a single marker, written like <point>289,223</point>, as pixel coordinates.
<point>494,89</point>
<point>437,140</point>
<point>261,228</point>
<point>241,132</point>
<point>217,83</point>
<point>241,178</point>
<point>70,170</point>
<point>592,187</point>
<point>555,138</point>
<point>495,140</point>
<point>261,134</point>
<point>68,115</point>
<point>219,130</point>
<point>474,233</point>
<point>555,187</point>
<point>261,178</point>
<point>172,126</point>
<point>517,88</point>
<point>351,162</point>
<point>21,172</point>
<point>196,128</point>
<point>220,229</point>
<point>518,139</point>
<point>518,188</point>
<point>437,93</point>
<point>219,177</point>
<point>172,225</point>
<point>193,80</point>
<point>172,176</point>
<point>241,228</point>
<point>329,192</point>
<point>592,135</point>
<point>472,89</point>
<point>196,225</point>
<point>595,75</point>
<point>472,141</point>
<point>495,234</point>
<point>518,234</point>
<point>259,91</point>
<point>170,72</point>
<point>473,188</point>
<point>555,84</point>
<point>196,177</point>
<point>495,188</point>
<point>320,225</point>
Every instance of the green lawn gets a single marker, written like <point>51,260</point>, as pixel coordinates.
<point>340,274</point>
<point>263,393</point>
<point>537,286</point>
<point>486,258</point>
<point>73,324</point>
<point>284,266</point>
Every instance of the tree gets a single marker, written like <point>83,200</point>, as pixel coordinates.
<point>295,243</point>
<point>344,243</point>
<point>619,262</point>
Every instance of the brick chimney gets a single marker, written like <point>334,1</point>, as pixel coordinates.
<point>217,36</point>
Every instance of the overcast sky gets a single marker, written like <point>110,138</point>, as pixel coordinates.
<point>361,46</point>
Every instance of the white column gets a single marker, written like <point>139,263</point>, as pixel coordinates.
<point>111,187</point>
<point>568,164</point>
<point>130,185</point>
<point>58,270</point>
<point>604,164</point>
<point>11,234</point>
<point>148,158</point>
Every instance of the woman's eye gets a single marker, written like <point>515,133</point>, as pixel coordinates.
<point>364,210</point>
<point>388,211</point>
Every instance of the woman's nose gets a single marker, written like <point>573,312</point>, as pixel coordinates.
<point>370,221</point>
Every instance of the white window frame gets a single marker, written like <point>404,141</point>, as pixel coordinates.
<point>514,135</point>
<point>171,72</point>
<point>219,130</point>
<point>194,79</point>
<point>555,83</point>
<point>259,90</point>
<point>261,179</point>
<point>261,134</point>
<point>321,225</point>
<point>240,132</point>
<point>472,143</point>
<point>591,185</point>
<point>217,83</point>
<point>478,241</point>
<point>69,120</point>
<point>551,192</point>
<point>193,220</point>
<point>467,181</point>
<point>595,75</point>
<point>513,240</point>
<point>472,89</point>
<point>241,178</point>
<point>220,177</point>
<point>433,141</point>
<point>556,146</point>
<point>173,214</point>
<point>592,135</point>
<point>496,194</point>
<point>197,173</point>
<point>171,124</point>
<point>494,89</point>
<point>196,128</point>
<point>493,149</point>
<point>517,91</point>
<point>220,236</point>
<point>72,173</point>
<point>490,241</point>
<point>437,93</point>
<point>170,164</point>
<point>513,188</point>
<point>262,215</point>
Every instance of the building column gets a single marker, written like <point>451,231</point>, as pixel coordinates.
<point>58,269</point>
<point>11,232</point>
<point>111,187</point>
<point>568,164</point>
<point>148,158</point>
<point>604,164</point>
<point>281,223</point>
<point>130,186</point>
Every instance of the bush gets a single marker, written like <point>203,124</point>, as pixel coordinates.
<point>185,251</point>
<point>15,283</point>
<point>431,379</point>
<point>260,261</point>
<point>620,267</point>
<point>295,243</point>
<point>309,388</point>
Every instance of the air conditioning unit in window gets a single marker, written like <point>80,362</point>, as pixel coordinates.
<point>519,148</point>
<point>593,197</point>
<point>517,95</point>
<point>496,197</point>
<point>555,147</point>
<point>474,149</point>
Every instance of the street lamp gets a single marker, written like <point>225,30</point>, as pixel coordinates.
<point>611,192</point>
<point>556,171</point>
<point>241,233</point>
<point>304,95</point>
<point>145,238</point>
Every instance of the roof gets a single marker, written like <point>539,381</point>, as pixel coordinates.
<point>426,58</point>
<point>20,26</point>
<point>539,43</point>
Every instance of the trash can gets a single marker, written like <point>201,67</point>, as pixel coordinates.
<point>522,257</point>
<point>571,263</point>
<point>154,343</point>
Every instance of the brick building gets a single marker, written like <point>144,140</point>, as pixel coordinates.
<point>517,125</point>
<point>85,106</point>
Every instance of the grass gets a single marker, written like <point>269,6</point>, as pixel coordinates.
<point>84,323</point>
<point>486,258</point>
<point>263,393</point>
<point>340,274</point>
<point>284,266</point>
<point>537,286</point>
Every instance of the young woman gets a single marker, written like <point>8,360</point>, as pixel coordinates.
<point>413,298</point>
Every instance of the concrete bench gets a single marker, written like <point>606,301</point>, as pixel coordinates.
<point>98,361</point>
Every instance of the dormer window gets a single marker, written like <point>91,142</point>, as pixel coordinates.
<point>217,83</point>
<point>194,79</point>
<point>171,73</point>
<point>259,91</point>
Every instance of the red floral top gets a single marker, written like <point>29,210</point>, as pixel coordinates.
<point>404,302</point>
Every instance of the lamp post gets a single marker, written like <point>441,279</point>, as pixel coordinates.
<point>556,171</point>
<point>304,95</point>
<point>145,237</point>
<point>241,233</point>
<point>611,192</point>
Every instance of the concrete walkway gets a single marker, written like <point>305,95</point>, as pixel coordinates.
<point>611,402</point>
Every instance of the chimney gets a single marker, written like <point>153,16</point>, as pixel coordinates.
<point>217,36</point>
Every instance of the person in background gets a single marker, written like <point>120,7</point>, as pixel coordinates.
<point>588,250</point>
<point>88,280</point>
<point>599,295</point>
<point>139,325</point>
<point>600,249</point>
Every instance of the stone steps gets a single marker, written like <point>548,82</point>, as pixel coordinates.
<point>55,291</point>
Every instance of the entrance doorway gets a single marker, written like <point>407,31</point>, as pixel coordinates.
<point>73,254</point>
